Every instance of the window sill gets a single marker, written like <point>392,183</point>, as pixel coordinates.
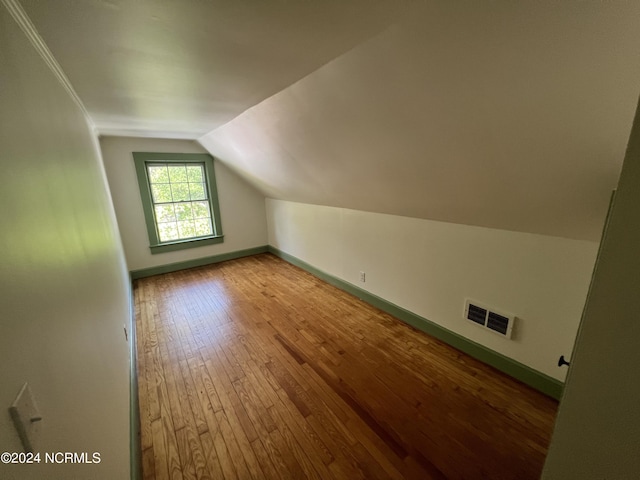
<point>184,244</point>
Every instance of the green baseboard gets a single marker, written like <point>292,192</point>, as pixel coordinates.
<point>197,262</point>
<point>538,380</point>
<point>135,452</point>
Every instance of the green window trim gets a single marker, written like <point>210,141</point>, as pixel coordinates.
<point>142,161</point>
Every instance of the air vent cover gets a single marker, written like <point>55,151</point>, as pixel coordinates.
<point>477,314</point>
<point>498,323</point>
<point>488,318</point>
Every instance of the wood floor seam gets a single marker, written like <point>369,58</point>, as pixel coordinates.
<point>255,369</point>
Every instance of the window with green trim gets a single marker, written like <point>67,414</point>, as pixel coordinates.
<point>179,199</point>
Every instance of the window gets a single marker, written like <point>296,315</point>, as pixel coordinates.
<point>179,199</point>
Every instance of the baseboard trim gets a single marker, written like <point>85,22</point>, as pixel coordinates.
<point>135,447</point>
<point>197,262</point>
<point>535,379</point>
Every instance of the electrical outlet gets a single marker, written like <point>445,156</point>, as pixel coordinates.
<point>362,277</point>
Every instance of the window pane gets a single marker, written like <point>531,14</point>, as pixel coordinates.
<point>168,231</point>
<point>203,227</point>
<point>197,191</point>
<point>165,213</point>
<point>200,209</point>
<point>194,173</point>
<point>180,191</point>
<point>161,192</point>
<point>158,174</point>
<point>183,211</point>
<point>186,229</point>
<point>177,173</point>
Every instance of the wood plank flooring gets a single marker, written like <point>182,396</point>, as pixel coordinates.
<point>255,369</point>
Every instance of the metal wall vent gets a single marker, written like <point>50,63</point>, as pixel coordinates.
<point>477,314</point>
<point>487,317</point>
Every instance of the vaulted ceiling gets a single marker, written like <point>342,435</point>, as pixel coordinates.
<point>179,69</point>
<point>511,115</point>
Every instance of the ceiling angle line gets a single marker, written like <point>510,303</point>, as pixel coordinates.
<point>29,29</point>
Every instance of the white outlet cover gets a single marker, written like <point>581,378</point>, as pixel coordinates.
<point>26,418</point>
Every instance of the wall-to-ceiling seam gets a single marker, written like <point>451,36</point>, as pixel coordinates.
<point>26,25</point>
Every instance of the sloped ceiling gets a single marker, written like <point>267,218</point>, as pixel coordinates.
<point>503,114</point>
<point>180,68</point>
<point>511,115</point>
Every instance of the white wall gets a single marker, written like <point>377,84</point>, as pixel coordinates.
<point>64,288</point>
<point>597,433</point>
<point>241,206</point>
<point>430,268</point>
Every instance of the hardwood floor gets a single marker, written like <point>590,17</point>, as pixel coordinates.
<point>255,369</point>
